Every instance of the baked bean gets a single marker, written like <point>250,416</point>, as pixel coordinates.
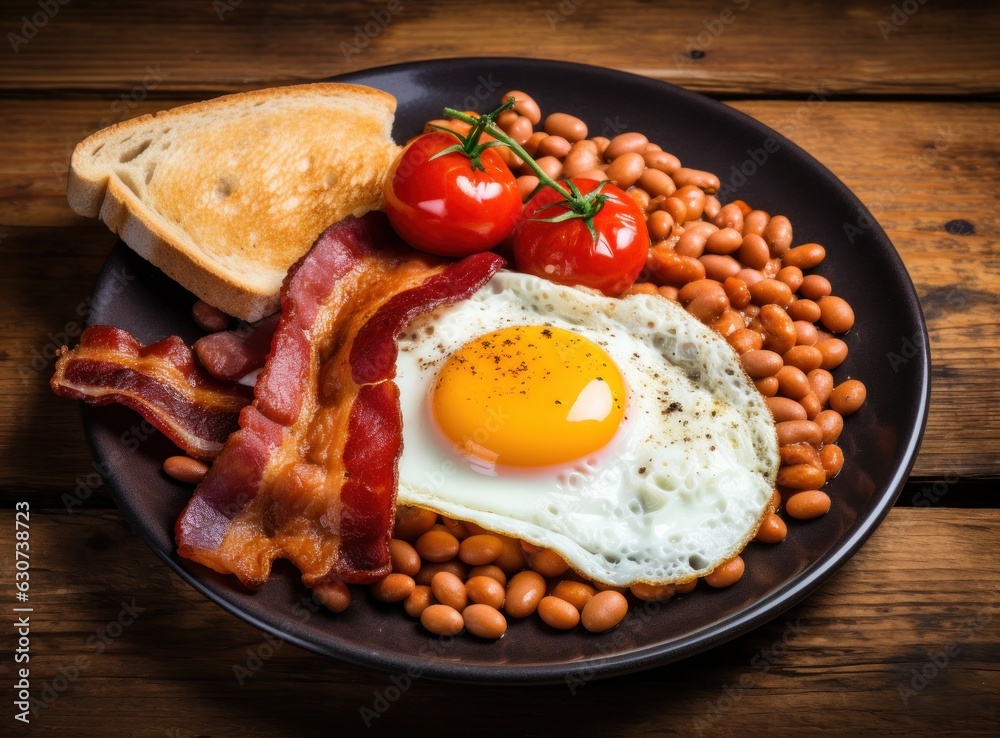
<point>712,208</point>
<point>550,165</point>
<point>806,256</point>
<point>524,592</point>
<point>334,596</point>
<point>533,142</point>
<point>185,469</point>
<point>771,291</point>
<point>506,118</point>
<point>640,197</point>
<point>730,216</point>
<point>778,235</point>
<point>404,557</point>
<point>790,275</point>
<point>805,332</point>
<point>692,241</point>
<point>762,363</point>
<point>744,340</point>
<point>814,287</point>
<point>209,318</point>
<point>804,309</point>
<point>685,587</point>
<point>554,146</point>
<point>456,566</point>
<point>457,528</point>
<point>834,352</point>
<point>661,160</point>
<point>660,225</point>
<point>548,563</point>
<point>669,266</point>
<point>652,592</point>
<point>595,174</point>
<point>700,286</point>
<point>832,459</point>
<point>437,546</point>
<point>835,313</point>
<point>832,424</point>
<point>484,621</point>
<point>568,126</point>
<point>657,183</point>
<point>783,408</point>
<point>807,505</point>
<point>775,501</point>
<point>821,382</point>
<point>641,288</point>
<point>801,476</point>
<point>728,323</point>
<point>693,198</point>
<point>527,184</point>
<point>805,358</point>
<point>812,405</point>
<point>604,611</point>
<point>705,181</point>
<point>736,289</point>
<point>727,573</point>
<point>668,292</point>
<point>709,306</point>
<point>449,590</point>
<point>520,130</point>
<point>579,160</point>
<point>577,594</point>
<point>779,331</point>
<point>848,397</point>
<point>601,142</point>
<point>413,522</point>
<point>492,571</point>
<point>792,382</point>
<point>755,222</point>
<point>799,431</point>
<point>772,530</point>
<point>481,549</point>
<point>724,241</point>
<point>624,171</point>
<point>511,560</point>
<point>558,613</point>
<point>525,105</point>
<point>750,311</point>
<point>393,588</point>
<point>771,269</point>
<point>418,601</point>
<point>485,590</point>
<point>800,453</point>
<point>626,143</point>
<point>677,208</point>
<point>767,386</point>
<point>442,620</point>
<point>753,251</point>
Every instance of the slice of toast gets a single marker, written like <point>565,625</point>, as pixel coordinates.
<point>225,195</point>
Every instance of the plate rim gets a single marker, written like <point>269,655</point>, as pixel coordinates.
<point>770,606</point>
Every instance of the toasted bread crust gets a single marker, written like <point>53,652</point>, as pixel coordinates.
<point>95,188</point>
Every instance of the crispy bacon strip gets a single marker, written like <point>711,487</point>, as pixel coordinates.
<point>311,475</point>
<point>231,355</point>
<point>160,381</point>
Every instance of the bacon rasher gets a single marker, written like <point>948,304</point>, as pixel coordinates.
<point>160,381</point>
<point>311,475</point>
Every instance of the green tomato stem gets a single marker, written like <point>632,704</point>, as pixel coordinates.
<point>491,129</point>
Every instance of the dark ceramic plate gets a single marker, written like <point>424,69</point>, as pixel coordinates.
<point>879,442</point>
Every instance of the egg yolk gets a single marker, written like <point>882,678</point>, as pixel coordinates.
<point>528,396</point>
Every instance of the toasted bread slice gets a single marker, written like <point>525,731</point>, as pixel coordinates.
<point>225,195</point>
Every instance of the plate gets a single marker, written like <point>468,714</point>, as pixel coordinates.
<point>879,442</point>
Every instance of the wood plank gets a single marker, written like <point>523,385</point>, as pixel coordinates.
<point>916,178</point>
<point>736,47</point>
<point>879,621</point>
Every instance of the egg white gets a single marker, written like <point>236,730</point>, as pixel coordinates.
<point>681,488</point>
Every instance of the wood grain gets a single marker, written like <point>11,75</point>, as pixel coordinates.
<point>733,47</point>
<point>883,617</point>
<point>939,166</point>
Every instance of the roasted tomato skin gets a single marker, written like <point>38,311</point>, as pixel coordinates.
<point>568,253</point>
<point>442,205</point>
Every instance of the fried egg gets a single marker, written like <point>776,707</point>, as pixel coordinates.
<point>620,433</point>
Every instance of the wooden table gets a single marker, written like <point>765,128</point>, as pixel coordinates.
<point>903,639</point>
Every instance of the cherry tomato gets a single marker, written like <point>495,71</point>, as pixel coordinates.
<point>567,252</point>
<point>443,205</point>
